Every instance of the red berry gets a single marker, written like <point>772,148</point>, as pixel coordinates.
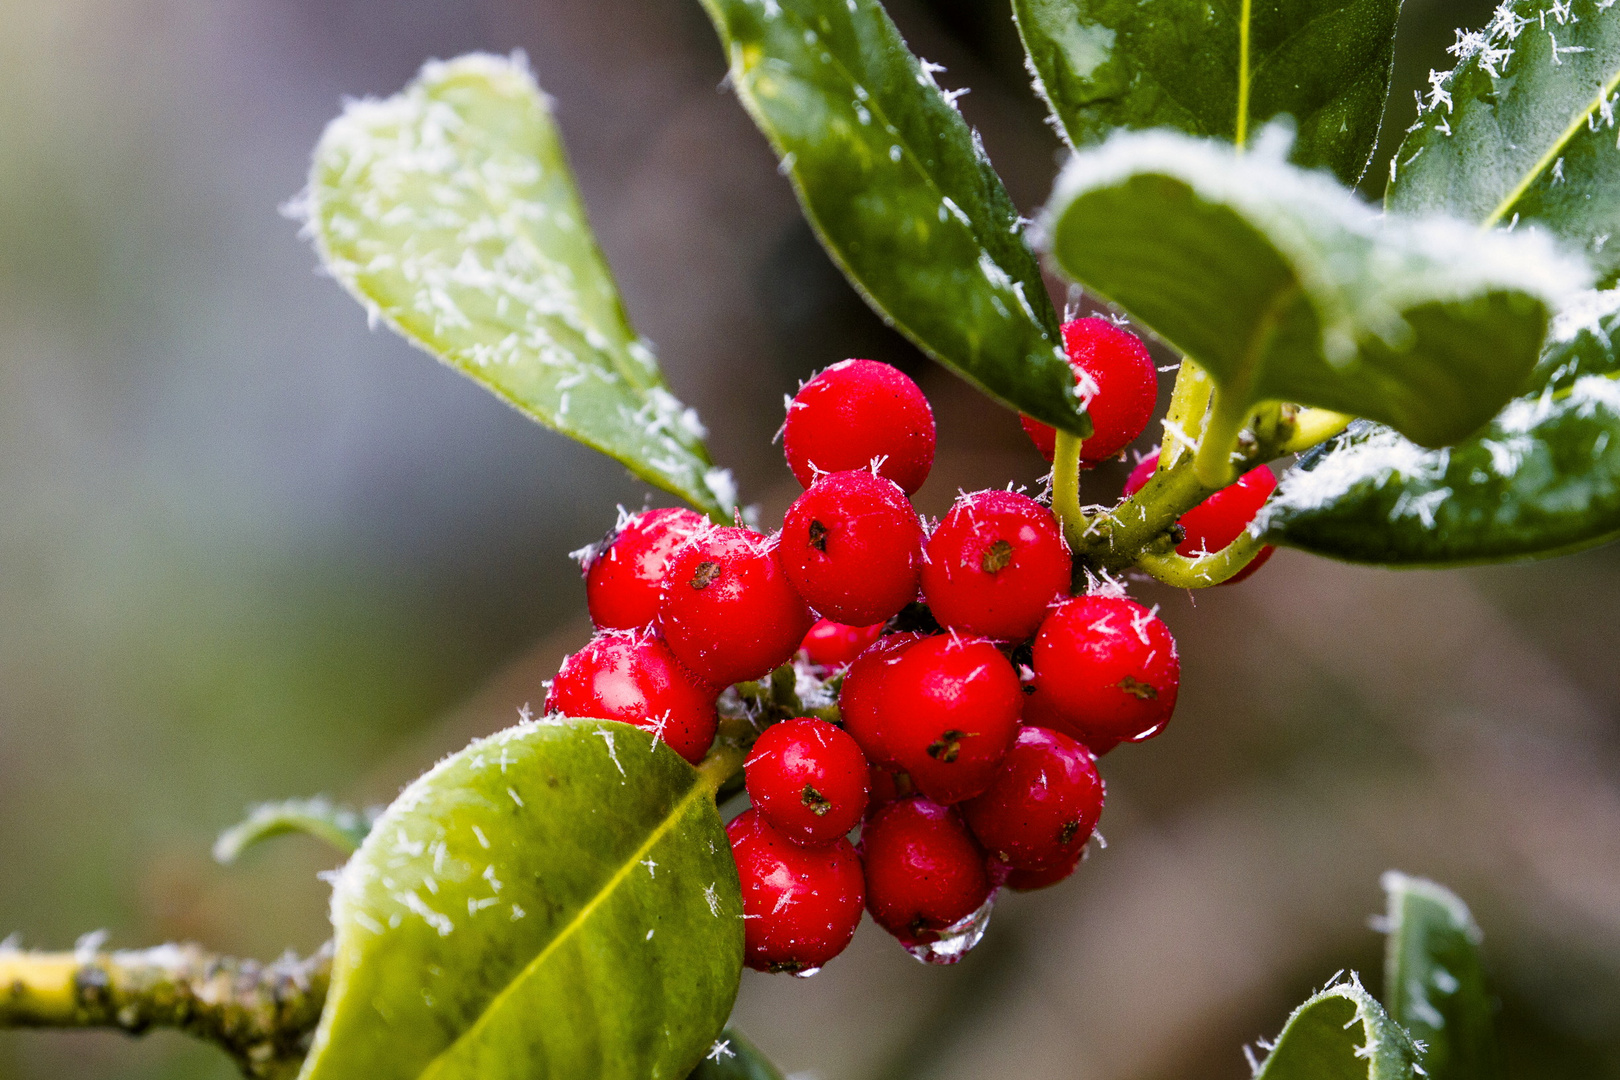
<point>885,787</point>
<point>948,711</point>
<point>626,571</point>
<point>633,677</point>
<point>852,546</point>
<point>1042,806</point>
<point>833,644</point>
<point>860,699</point>
<point>809,780</point>
<point>924,871</point>
<point>1219,519</point>
<point>728,610</point>
<point>994,564</point>
<point>1108,669</point>
<point>1127,386</point>
<point>1030,880</point>
<point>857,412</point>
<point>800,905</point>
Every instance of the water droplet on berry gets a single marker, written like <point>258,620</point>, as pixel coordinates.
<point>957,939</point>
<point>805,973</point>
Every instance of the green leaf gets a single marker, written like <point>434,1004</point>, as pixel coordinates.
<point>339,826</point>
<point>1523,129</point>
<point>1434,985</point>
<point>557,900</point>
<point>1220,70</point>
<point>1340,1034</point>
<point>733,1057</point>
<point>1284,287</point>
<point>450,213</point>
<point>1542,479</point>
<point>901,192</point>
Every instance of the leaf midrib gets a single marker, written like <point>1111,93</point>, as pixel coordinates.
<point>582,916</point>
<point>1553,152</point>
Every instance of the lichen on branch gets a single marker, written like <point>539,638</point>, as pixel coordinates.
<point>262,1015</point>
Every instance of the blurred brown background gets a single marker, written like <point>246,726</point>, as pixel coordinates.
<point>250,550</point>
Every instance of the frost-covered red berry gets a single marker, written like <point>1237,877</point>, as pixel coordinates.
<point>855,413</point>
<point>834,644</point>
<point>948,710</point>
<point>1106,671</point>
<point>631,676</point>
<point>1043,804</point>
<point>852,546</point>
<point>809,780</point>
<point>728,610</point>
<point>1219,519</point>
<point>924,871</point>
<point>994,564</point>
<point>626,571</point>
<point>1127,384</point>
<point>800,905</point>
<point>860,699</point>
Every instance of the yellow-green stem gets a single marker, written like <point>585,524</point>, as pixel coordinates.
<point>1066,488</point>
<point>1314,426</point>
<point>1184,420</point>
<point>1205,570</point>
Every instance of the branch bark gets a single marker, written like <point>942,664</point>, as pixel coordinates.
<point>263,1015</point>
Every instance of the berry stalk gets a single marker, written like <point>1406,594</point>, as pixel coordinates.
<point>1066,488</point>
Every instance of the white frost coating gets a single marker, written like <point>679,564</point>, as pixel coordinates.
<point>1586,312</point>
<point>1360,268</point>
<point>1383,457</point>
<point>475,247</point>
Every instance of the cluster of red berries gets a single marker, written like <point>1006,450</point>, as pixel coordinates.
<point>974,692</point>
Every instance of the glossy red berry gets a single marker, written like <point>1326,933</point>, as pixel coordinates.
<point>1043,804</point>
<point>633,677</point>
<point>1107,671</point>
<point>1219,519</point>
<point>834,644</point>
<point>948,712</point>
<point>885,788</point>
<point>1127,384</point>
<point>852,546</point>
<point>860,699</point>
<point>924,871</point>
<point>1030,880</point>
<point>728,610</point>
<point>994,564</point>
<point>625,572</point>
<point>809,780</point>
<point>857,412</point>
<point>800,905</point>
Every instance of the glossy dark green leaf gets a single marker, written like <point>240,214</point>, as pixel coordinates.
<point>1284,287</point>
<point>339,826</point>
<point>1218,69</point>
<point>1434,985</point>
<point>450,213</point>
<point>557,900</point>
<point>1340,1034</point>
<point>900,191</point>
<point>1523,129</point>
<point>733,1057</point>
<point>1542,479</point>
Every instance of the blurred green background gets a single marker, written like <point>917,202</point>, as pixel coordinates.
<point>249,549</point>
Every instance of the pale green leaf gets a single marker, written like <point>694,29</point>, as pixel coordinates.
<point>450,213</point>
<point>1434,985</point>
<point>558,900</point>
<point>1284,287</point>
<point>339,826</point>
<point>1340,1034</point>
<point>1221,70</point>
<point>900,192</point>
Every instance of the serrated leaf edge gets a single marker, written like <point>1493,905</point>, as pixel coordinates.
<point>1368,1012</point>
